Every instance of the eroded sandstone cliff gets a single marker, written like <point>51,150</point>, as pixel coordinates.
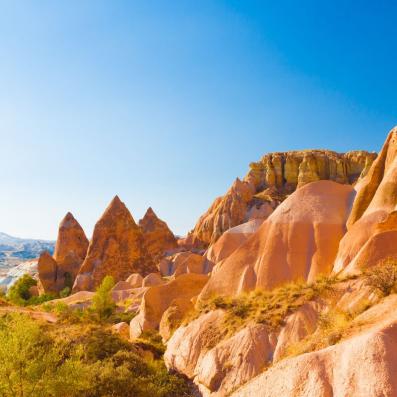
<point>270,180</point>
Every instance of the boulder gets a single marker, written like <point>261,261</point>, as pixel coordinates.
<point>47,272</point>
<point>117,248</point>
<point>173,316</point>
<point>135,280</point>
<point>122,329</point>
<point>152,279</point>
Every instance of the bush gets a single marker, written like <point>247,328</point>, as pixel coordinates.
<point>65,292</point>
<point>32,365</point>
<point>19,293</point>
<point>77,360</point>
<point>102,302</point>
<point>383,277</point>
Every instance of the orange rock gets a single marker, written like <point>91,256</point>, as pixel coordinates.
<point>231,240</point>
<point>71,247</point>
<point>116,249</point>
<point>158,298</point>
<point>363,365</point>
<point>268,183</point>
<point>158,237</point>
<point>47,273</point>
<point>373,212</point>
<point>121,329</point>
<point>135,280</point>
<point>152,279</point>
<point>298,241</point>
<point>70,251</point>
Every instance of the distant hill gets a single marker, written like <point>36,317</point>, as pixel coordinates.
<point>14,250</point>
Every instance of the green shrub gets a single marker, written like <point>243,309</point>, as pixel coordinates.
<point>19,292</point>
<point>65,292</point>
<point>32,365</point>
<point>102,302</point>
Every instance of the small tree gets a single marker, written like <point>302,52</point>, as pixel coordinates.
<point>19,293</point>
<point>383,277</point>
<point>102,302</point>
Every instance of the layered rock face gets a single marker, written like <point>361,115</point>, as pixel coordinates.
<point>298,241</point>
<point>270,181</point>
<point>372,224</point>
<point>158,237</point>
<point>117,249</point>
<point>60,271</point>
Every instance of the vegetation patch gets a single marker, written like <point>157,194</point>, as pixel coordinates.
<point>78,359</point>
<point>267,307</point>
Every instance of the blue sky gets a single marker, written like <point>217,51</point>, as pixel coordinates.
<point>165,103</point>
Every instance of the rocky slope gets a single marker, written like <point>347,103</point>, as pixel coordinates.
<point>270,180</point>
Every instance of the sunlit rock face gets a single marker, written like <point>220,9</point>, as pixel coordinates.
<point>60,271</point>
<point>158,237</point>
<point>269,181</point>
<point>372,224</point>
<point>298,241</point>
<point>117,249</point>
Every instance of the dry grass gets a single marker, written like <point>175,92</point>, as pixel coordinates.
<point>266,307</point>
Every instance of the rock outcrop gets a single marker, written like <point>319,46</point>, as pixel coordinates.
<point>372,224</point>
<point>61,270</point>
<point>158,298</point>
<point>363,365</point>
<point>158,237</point>
<point>117,249</point>
<point>270,181</point>
<point>298,241</point>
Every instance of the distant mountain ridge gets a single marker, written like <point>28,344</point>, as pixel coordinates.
<point>14,250</point>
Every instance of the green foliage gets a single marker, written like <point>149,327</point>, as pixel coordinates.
<point>102,303</point>
<point>19,293</point>
<point>78,360</point>
<point>383,277</point>
<point>65,292</point>
<point>32,366</point>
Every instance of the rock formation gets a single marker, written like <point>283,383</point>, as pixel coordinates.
<point>363,365</point>
<point>158,298</point>
<point>117,249</point>
<point>158,237</point>
<point>299,240</point>
<point>372,224</point>
<point>70,250</point>
<point>270,181</point>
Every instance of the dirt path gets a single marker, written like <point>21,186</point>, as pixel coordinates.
<point>37,315</point>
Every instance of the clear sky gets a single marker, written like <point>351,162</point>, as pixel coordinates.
<point>165,102</point>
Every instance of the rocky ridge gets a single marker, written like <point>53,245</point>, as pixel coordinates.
<point>270,180</point>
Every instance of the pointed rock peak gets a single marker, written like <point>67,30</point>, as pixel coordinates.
<point>117,209</point>
<point>149,219</point>
<point>150,213</point>
<point>68,220</point>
